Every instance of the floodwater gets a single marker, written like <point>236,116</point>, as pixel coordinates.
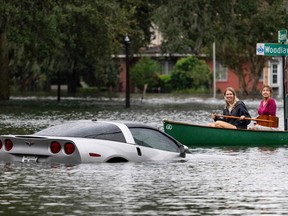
<point>213,181</point>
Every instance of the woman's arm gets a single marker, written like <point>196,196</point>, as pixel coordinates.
<point>244,112</point>
<point>271,107</point>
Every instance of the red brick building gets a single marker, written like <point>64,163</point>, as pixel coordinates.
<point>272,73</point>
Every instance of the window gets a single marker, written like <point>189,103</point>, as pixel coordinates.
<point>92,130</point>
<point>274,73</point>
<point>221,72</point>
<point>167,67</point>
<point>153,139</point>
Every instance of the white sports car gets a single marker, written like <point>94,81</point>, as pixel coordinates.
<point>92,141</point>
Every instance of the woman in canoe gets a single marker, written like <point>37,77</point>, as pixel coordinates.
<point>267,107</point>
<point>233,107</point>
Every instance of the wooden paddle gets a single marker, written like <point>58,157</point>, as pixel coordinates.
<point>264,120</point>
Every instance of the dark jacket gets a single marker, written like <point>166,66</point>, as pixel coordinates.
<point>238,110</point>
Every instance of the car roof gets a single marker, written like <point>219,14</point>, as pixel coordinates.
<point>84,128</point>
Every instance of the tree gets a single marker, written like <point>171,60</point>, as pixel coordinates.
<point>67,37</point>
<point>190,73</point>
<point>4,66</point>
<point>146,71</point>
<point>28,36</point>
<point>236,26</point>
<point>33,38</point>
<point>186,25</point>
<point>250,22</point>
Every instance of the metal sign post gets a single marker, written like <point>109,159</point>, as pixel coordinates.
<point>127,44</point>
<point>282,38</point>
<point>284,93</point>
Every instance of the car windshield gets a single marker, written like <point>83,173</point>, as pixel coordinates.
<point>93,130</point>
<point>153,139</point>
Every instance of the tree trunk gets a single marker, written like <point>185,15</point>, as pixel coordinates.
<point>242,84</point>
<point>73,83</point>
<point>4,67</point>
<point>257,71</point>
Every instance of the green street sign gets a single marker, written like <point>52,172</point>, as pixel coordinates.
<point>282,36</point>
<point>272,49</point>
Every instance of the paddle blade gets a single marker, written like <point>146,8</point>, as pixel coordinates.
<point>274,121</point>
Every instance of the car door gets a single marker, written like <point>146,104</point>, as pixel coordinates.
<point>154,144</point>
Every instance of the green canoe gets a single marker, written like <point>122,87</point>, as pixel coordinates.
<point>203,136</point>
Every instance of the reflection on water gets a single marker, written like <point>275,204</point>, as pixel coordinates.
<point>213,181</point>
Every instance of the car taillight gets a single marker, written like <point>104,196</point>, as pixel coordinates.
<point>1,145</point>
<point>8,144</point>
<point>69,148</point>
<point>55,147</point>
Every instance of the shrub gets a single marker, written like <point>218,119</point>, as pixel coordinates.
<point>146,71</point>
<point>190,73</point>
<point>165,83</point>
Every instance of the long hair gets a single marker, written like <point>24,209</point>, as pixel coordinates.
<point>234,94</point>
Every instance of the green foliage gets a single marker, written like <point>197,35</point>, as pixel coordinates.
<point>146,71</point>
<point>235,27</point>
<point>190,73</point>
<point>39,39</point>
<point>68,37</point>
<point>250,22</point>
<point>140,26</point>
<point>165,83</point>
<point>186,26</point>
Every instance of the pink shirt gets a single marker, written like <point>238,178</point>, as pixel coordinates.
<point>268,109</point>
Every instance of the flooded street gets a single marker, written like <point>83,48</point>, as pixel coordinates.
<point>212,181</point>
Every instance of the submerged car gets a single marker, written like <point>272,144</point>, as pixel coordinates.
<point>92,141</point>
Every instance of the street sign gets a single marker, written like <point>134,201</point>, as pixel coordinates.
<point>280,49</point>
<point>282,36</point>
<point>272,49</point>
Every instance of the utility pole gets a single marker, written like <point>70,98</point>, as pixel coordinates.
<point>127,44</point>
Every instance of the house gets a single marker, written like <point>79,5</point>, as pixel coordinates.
<point>272,73</point>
